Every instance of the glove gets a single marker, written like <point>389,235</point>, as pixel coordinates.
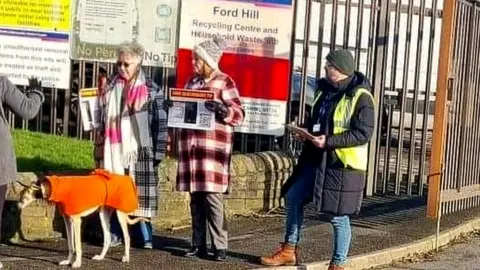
<point>35,87</point>
<point>167,103</point>
<point>34,84</point>
<point>218,108</point>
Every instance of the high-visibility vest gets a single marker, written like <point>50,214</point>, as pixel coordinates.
<point>354,157</point>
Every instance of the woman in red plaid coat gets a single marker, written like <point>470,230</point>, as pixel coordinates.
<point>204,156</point>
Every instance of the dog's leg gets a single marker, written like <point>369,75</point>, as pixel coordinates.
<point>122,219</point>
<point>69,229</point>
<point>105,215</point>
<point>77,224</point>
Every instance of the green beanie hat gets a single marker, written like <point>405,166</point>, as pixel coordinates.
<point>342,60</point>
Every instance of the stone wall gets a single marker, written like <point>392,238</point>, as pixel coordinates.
<point>256,182</point>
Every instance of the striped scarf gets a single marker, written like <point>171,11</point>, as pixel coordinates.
<point>126,126</point>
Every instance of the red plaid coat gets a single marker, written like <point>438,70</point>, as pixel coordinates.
<point>204,156</point>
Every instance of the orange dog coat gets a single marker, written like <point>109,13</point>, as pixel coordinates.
<point>76,194</point>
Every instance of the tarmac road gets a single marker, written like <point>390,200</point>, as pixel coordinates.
<point>385,222</point>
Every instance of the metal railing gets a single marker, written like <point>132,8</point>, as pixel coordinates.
<point>394,44</point>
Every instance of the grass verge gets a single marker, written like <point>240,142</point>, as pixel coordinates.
<point>39,152</point>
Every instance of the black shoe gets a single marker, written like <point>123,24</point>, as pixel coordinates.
<point>197,252</point>
<point>220,255</point>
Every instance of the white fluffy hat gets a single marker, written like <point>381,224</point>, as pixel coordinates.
<point>211,51</point>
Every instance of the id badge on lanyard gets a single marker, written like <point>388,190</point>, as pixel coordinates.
<point>323,112</point>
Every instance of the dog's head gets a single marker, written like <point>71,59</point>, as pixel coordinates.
<point>29,194</point>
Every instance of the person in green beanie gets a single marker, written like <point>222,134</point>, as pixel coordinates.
<point>331,169</point>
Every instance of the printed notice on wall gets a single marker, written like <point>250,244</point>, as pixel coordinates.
<point>99,26</point>
<point>24,54</point>
<point>263,115</point>
<point>47,15</point>
<point>188,110</point>
<point>34,41</point>
<point>89,108</point>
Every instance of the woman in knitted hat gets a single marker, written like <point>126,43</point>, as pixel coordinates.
<point>204,156</point>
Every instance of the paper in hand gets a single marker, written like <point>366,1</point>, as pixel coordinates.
<point>300,132</point>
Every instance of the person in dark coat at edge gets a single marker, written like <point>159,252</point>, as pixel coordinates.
<point>331,169</point>
<point>25,105</point>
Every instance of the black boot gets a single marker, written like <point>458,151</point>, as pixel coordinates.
<point>220,255</point>
<point>198,252</point>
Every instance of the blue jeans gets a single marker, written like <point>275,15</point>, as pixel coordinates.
<point>146,232</point>
<point>143,234</point>
<point>294,200</point>
<point>115,230</point>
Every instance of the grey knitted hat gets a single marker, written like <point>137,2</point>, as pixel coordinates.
<point>211,51</point>
<point>342,60</point>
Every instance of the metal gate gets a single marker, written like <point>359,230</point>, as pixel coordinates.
<point>396,44</point>
<point>455,175</point>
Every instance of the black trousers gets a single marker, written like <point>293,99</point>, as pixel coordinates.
<point>3,193</point>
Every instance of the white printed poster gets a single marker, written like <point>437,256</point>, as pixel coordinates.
<point>263,116</point>
<point>89,108</point>
<point>259,28</point>
<point>45,55</point>
<point>189,111</point>
<point>99,26</point>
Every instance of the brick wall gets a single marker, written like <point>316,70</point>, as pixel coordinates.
<point>256,182</point>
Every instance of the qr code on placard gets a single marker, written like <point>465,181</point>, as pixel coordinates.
<point>204,120</point>
<point>176,112</point>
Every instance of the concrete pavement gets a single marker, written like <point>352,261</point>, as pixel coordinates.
<point>460,256</point>
<point>384,222</point>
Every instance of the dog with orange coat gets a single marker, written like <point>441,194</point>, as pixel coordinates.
<point>81,195</point>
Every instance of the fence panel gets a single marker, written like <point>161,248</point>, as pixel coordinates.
<point>395,43</point>
<point>459,173</point>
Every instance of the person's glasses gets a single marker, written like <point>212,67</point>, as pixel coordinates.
<point>124,64</point>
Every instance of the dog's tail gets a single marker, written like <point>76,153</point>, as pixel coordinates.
<point>133,221</point>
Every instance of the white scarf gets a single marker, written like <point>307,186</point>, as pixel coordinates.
<point>126,125</point>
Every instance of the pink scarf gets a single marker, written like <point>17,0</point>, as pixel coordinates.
<point>126,126</point>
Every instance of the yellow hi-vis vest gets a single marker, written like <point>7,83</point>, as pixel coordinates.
<point>354,157</point>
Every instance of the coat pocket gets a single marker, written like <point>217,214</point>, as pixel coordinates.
<point>353,180</point>
<point>333,179</point>
<point>344,180</point>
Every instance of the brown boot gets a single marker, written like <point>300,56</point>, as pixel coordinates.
<point>335,267</point>
<point>285,255</point>
<point>297,255</point>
